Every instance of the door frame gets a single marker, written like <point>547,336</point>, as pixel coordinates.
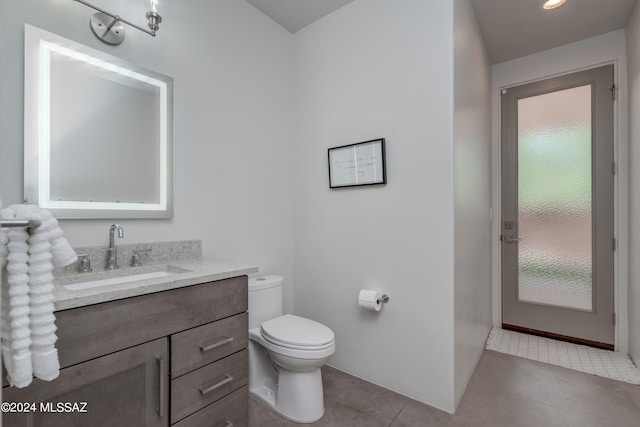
<point>553,63</point>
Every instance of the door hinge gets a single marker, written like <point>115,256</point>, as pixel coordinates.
<point>614,168</point>
<point>613,318</point>
<point>613,90</point>
<point>614,244</point>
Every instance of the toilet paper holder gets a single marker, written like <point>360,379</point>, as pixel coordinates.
<point>369,299</point>
<point>383,298</point>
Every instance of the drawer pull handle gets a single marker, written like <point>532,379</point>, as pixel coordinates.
<point>225,423</point>
<point>161,386</point>
<point>215,343</point>
<point>227,379</point>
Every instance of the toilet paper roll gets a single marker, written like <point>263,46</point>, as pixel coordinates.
<point>370,300</point>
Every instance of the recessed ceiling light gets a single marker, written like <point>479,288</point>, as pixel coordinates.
<point>552,4</point>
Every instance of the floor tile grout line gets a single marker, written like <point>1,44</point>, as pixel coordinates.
<point>398,414</point>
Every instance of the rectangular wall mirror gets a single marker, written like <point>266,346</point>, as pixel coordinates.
<point>98,132</point>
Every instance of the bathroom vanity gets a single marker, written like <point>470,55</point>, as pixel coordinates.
<point>157,357</point>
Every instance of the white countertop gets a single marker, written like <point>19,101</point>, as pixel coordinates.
<point>198,271</point>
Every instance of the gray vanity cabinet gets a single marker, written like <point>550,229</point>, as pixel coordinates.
<point>173,357</point>
<point>125,388</point>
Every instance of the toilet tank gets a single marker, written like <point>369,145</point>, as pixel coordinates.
<point>265,299</point>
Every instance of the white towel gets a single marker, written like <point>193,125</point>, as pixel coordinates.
<point>28,320</point>
<point>4,239</point>
<point>16,335</point>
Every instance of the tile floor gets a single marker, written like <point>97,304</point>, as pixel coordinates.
<point>604,363</point>
<point>504,391</point>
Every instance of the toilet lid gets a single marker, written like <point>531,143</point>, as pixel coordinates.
<point>294,331</point>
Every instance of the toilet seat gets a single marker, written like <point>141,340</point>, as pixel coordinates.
<point>297,332</point>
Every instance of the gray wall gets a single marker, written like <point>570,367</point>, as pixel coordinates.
<point>472,194</point>
<point>374,69</point>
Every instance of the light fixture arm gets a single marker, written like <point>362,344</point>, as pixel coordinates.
<point>112,33</point>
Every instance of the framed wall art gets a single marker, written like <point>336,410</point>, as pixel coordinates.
<point>357,164</point>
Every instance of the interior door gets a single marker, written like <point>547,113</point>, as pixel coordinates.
<point>557,206</point>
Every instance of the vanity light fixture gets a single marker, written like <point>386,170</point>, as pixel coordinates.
<point>108,27</point>
<point>552,4</point>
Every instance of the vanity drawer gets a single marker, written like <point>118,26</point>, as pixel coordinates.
<point>231,410</point>
<point>199,346</point>
<point>197,389</point>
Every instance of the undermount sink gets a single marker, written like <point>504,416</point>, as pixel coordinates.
<point>128,278</point>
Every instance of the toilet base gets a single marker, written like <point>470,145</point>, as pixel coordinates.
<point>299,396</point>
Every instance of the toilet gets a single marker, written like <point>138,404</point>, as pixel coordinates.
<point>286,353</point>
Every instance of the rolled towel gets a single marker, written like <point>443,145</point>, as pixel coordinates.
<point>63,253</point>
<point>5,314</point>
<point>19,311</point>
<point>4,239</point>
<point>16,335</point>
<point>20,336</point>
<point>19,364</point>
<point>41,342</point>
<point>44,310</point>
<point>43,336</point>
<point>46,364</point>
<point>44,325</point>
<point>28,322</point>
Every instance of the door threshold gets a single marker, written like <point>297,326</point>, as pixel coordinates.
<point>574,340</point>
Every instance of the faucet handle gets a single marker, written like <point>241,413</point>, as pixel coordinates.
<point>135,258</point>
<point>84,263</point>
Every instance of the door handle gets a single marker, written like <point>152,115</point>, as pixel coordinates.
<point>510,239</point>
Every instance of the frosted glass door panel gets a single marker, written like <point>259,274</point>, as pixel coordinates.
<point>555,199</point>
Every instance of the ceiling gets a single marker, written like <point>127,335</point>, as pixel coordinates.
<point>511,28</point>
<point>515,28</point>
<point>297,14</point>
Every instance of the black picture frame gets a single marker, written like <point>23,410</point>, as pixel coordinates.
<point>355,165</point>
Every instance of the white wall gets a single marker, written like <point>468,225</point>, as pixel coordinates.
<point>472,189</point>
<point>379,68</point>
<point>233,71</point>
<point>606,48</point>
<point>633,61</point>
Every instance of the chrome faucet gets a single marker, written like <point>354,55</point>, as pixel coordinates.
<point>112,251</point>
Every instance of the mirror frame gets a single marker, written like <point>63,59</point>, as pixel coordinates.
<point>38,45</point>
